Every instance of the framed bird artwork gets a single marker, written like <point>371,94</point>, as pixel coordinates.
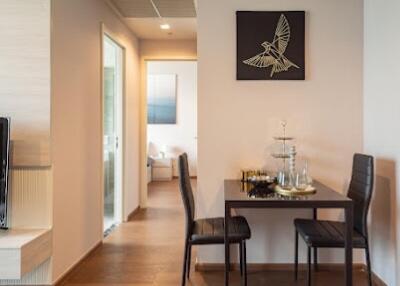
<point>270,45</point>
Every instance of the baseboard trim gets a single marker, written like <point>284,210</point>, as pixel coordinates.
<point>177,177</point>
<point>133,213</point>
<point>271,266</point>
<point>67,273</point>
<point>209,267</point>
<point>377,281</point>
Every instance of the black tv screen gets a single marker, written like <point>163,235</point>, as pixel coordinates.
<point>4,169</point>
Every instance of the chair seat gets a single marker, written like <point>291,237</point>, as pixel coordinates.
<point>322,233</point>
<point>211,230</point>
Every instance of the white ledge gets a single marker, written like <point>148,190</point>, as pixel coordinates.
<point>22,250</point>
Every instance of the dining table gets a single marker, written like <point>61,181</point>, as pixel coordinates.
<point>237,195</point>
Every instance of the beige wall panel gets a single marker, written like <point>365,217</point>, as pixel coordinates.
<point>25,76</point>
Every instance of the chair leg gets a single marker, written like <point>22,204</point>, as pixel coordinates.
<point>189,259</point>
<point>296,255</point>
<point>368,258</point>
<point>241,257</point>
<point>185,256</point>
<point>229,262</point>
<point>244,264</point>
<point>309,265</point>
<point>315,259</point>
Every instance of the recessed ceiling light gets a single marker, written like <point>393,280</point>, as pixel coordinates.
<point>165,26</point>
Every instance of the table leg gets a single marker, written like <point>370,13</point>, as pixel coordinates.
<point>226,242</point>
<point>349,245</point>
<point>315,217</point>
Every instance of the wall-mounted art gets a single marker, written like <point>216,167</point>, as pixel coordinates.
<point>270,45</point>
<point>161,99</point>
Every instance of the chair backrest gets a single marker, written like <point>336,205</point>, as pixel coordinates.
<point>360,190</point>
<point>186,191</point>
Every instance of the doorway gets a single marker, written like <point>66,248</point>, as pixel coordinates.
<point>113,55</point>
<point>171,117</point>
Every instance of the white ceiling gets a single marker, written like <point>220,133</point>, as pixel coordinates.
<point>144,17</point>
<point>149,28</point>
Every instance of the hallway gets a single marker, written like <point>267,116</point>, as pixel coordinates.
<point>147,251</point>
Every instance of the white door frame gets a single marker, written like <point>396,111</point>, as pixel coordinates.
<point>120,151</point>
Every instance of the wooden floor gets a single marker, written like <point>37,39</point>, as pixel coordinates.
<point>148,251</point>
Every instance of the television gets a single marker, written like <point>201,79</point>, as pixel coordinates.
<point>4,170</point>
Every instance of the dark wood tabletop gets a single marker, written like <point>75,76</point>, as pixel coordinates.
<point>235,191</point>
<point>236,196</point>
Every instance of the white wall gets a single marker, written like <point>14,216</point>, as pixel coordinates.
<point>381,132</point>
<point>168,49</point>
<point>179,137</point>
<point>76,126</point>
<point>237,119</point>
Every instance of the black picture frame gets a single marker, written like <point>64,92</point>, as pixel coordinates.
<point>263,52</point>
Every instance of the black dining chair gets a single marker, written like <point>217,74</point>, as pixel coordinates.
<point>208,230</point>
<point>330,234</point>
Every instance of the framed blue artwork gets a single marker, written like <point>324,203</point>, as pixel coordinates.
<point>161,98</point>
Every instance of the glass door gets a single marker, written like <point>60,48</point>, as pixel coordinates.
<point>112,118</point>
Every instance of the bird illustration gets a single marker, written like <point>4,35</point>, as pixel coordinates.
<point>274,52</point>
